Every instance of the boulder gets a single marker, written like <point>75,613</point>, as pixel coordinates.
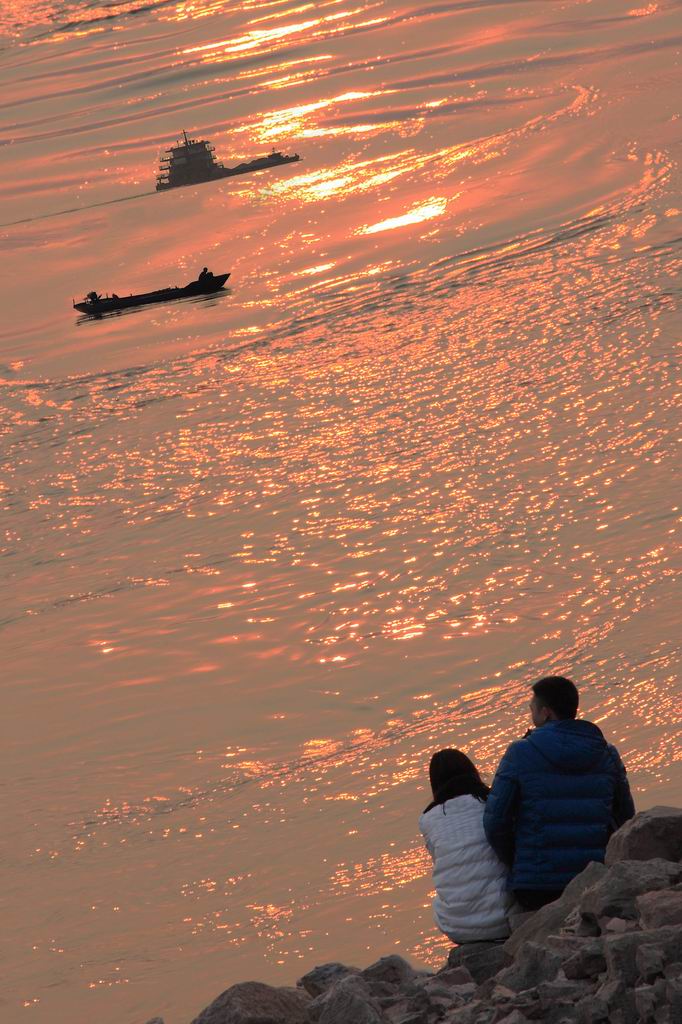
<point>657,909</point>
<point>420,1016</point>
<point>591,1010</point>
<point>518,917</point>
<point>515,1017</point>
<point>155,1020</point>
<point>587,929</point>
<point>320,978</point>
<point>646,1003</point>
<point>618,1000</point>
<point>398,1010</point>
<point>549,919</point>
<point>437,990</point>
<point>349,999</point>
<point>455,976</point>
<point>566,945</point>
<point>390,970</point>
<point>650,962</point>
<point>252,1002</point>
<point>616,925</point>
<point>615,893</point>
<point>475,1013</point>
<point>653,833</point>
<point>559,998</point>
<point>431,996</point>
<point>673,997</point>
<point>565,991</point>
<point>501,994</point>
<point>482,959</point>
<point>621,951</point>
<point>533,963</point>
<point>586,962</point>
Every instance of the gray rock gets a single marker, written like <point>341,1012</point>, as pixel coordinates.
<point>431,996</point>
<point>533,963</point>
<point>455,976</point>
<point>591,1010</point>
<point>475,1013</point>
<point>526,1003</point>
<point>619,1001</point>
<point>350,999</point>
<point>571,922</point>
<point>549,919</point>
<point>482,959</point>
<point>515,1017</point>
<point>588,929</point>
<point>615,893</point>
<point>519,917</point>
<point>464,993</point>
<point>252,1002</point>
<point>673,995</point>
<point>438,998</point>
<point>155,1020</point>
<point>437,989</point>
<point>566,945</point>
<point>663,1015</point>
<point>649,961</point>
<point>616,925</point>
<point>653,833</point>
<point>562,991</point>
<point>646,1003</point>
<point>420,1016</point>
<point>621,951</point>
<point>321,978</point>
<point>390,970</point>
<point>398,1009</point>
<point>558,1000</point>
<point>657,909</point>
<point>502,994</point>
<point>586,962</point>
<point>385,994</point>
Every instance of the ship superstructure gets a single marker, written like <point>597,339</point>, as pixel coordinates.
<point>193,161</point>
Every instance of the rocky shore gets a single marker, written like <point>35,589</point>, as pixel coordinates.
<point>610,950</point>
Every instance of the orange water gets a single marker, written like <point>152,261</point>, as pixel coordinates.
<point>265,551</point>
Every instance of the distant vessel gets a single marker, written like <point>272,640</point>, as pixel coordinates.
<point>95,305</point>
<point>193,161</point>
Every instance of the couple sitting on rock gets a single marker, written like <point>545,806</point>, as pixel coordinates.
<point>557,796</point>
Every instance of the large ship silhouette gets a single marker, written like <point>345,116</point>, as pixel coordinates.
<point>193,161</point>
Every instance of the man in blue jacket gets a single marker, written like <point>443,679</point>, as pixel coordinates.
<point>557,796</point>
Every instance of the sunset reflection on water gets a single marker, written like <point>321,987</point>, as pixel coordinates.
<point>266,551</point>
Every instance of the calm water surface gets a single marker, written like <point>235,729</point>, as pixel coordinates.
<point>264,552</point>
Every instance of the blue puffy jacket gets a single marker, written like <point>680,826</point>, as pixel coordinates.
<point>556,798</point>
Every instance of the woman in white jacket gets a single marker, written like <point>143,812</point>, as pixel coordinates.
<point>471,903</point>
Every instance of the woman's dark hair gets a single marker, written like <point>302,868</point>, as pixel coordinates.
<point>452,774</point>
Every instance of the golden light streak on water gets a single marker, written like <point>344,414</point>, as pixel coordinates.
<point>435,207</point>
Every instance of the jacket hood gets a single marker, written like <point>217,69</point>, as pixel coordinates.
<point>572,745</point>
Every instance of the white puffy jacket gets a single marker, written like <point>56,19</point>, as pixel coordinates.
<point>471,902</point>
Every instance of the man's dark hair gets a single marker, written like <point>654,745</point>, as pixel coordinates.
<point>558,694</point>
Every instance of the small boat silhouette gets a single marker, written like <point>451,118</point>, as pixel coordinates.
<point>94,304</point>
